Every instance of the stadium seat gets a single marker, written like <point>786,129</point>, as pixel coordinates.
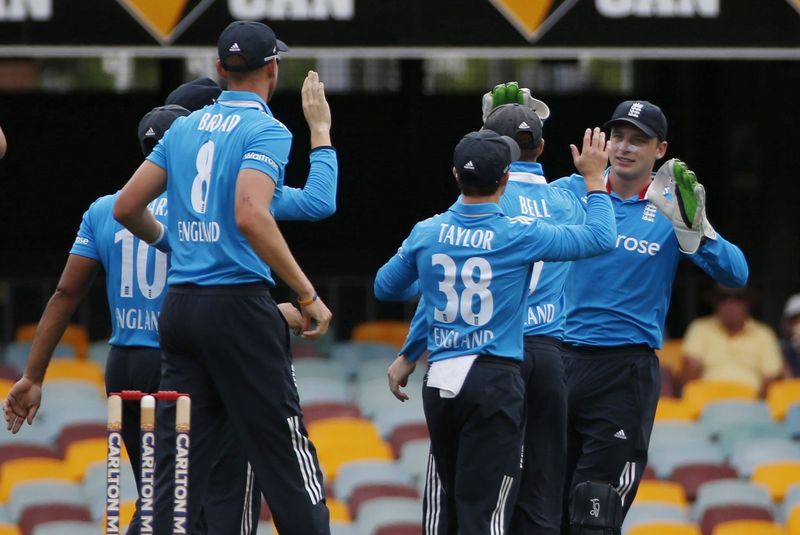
<point>725,492</point>
<point>385,331</point>
<point>793,521</point>
<point>781,395</point>
<point>75,369</point>
<point>55,414</point>
<point>748,527</point>
<point>366,492</point>
<point>718,416</point>
<point>8,373</point>
<point>43,492</point>
<point>414,460</point>
<point>674,410</point>
<point>649,474</point>
<point>699,393</point>
<point>79,431</point>
<point>373,396</point>
<point>94,487</point>
<point>16,354</point>
<point>74,335</point>
<point>5,387</point>
<point>337,528</point>
<point>24,470</point>
<point>83,453</point>
<point>671,355</point>
<point>647,513</point>
<point>661,492</point>
<point>322,411</point>
<point>353,355</point>
<point>408,412</point>
<point>401,528</point>
<point>340,440</point>
<point>384,512</point>
<point>356,473</point>
<point>36,515</point>
<point>793,420</point>
<point>669,433</point>
<point>734,434</point>
<point>323,390</point>
<point>747,454</point>
<point>405,433</point>
<point>9,452</point>
<point>665,460</point>
<point>319,367</point>
<point>664,528</point>
<point>98,352</point>
<point>691,476</point>
<point>714,516</point>
<point>68,527</point>
<point>777,477</point>
<point>338,510</point>
<point>9,529</point>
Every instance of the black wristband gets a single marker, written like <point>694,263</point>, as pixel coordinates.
<point>596,192</point>
<point>322,147</point>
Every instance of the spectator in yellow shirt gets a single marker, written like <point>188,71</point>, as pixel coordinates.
<point>732,346</point>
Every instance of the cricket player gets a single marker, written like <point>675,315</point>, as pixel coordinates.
<point>223,338</point>
<point>473,265</point>
<point>616,307</point>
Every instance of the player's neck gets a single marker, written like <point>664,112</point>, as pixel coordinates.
<point>252,86</point>
<point>628,188</point>
<point>481,199</point>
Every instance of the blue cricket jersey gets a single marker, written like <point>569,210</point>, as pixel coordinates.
<point>474,264</point>
<point>527,194</point>
<point>136,274</point>
<point>202,155</point>
<point>622,297</point>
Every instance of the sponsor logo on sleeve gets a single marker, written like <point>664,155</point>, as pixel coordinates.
<point>261,158</point>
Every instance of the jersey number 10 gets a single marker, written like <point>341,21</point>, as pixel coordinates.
<point>147,289</point>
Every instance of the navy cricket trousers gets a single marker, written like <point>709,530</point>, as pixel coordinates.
<point>228,347</point>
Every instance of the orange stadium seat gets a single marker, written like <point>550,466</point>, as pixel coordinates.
<point>781,395</point>
<point>340,440</point>
<point>664,528</point>
<point>75,335</point>
<point>777,476</point>
<point>662,492</point>
<point>675,410</point>
<point>74,369</point>
<point>5,387</point>
<point>749,527</point>
<point>390,332</point>
<point>793,521</point>
<point>697,394</point>
<point>19,470</point>
<point>339,511</point>
<point>9,529</point>
<point>81,454</point>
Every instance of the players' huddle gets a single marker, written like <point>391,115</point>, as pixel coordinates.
<point>539,326</point>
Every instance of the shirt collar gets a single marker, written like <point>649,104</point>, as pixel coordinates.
<point>243,99</point>
<point>486,208</point>
<point>642,194</point>
<point>528,172</point>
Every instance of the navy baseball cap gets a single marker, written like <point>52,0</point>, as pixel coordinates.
<point>644,115</point>
<point>512,119</point>
<point>483,157</point>
<point>195,94</point>
<point>254,42</point>
<point>155,124</point>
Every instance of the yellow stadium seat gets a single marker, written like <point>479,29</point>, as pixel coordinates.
<point>777,476</point>
<point>75,335</point>
<point>339,511</point>
<point>661,492</point>
<point>389,332</point>
<point>781,395</point>
<point>80,370</point>
<point>9,529</point>
<point>793,522</point>
<point>126,510</point>
<point>5,387</point>
<point>29,469</point>
<point>748,527</point>
<point>697,394</point>
<point>673,409</point>
<point>340,440</point>
<point>664,528</point>
<point>671,355</point>
<point>83,453</point>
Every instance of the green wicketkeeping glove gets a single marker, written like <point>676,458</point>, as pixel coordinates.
<point>686,205</point>
<point>512,93</point>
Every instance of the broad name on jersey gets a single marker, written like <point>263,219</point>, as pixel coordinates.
<point>198,231</point>
<point>136,318</point>
<point>466,237</point>
<point>541,314</point>
<point>212,122</point>
<point>452,339</point>
<point>629,243</point>
<point>533,207</point>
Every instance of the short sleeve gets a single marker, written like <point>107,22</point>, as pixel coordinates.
<point>158,155</point>
<point>267,149</point>
<point>85,244</point>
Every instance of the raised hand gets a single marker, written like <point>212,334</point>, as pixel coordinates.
<point>592,159</point>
